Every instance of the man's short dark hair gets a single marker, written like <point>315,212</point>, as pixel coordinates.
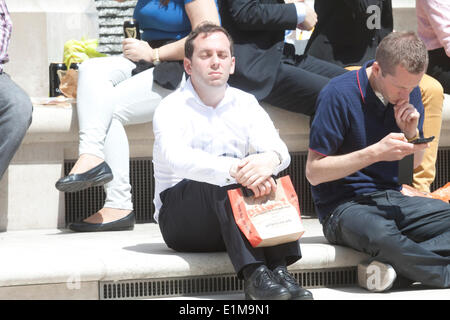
<point>205,28</point>
<point>402,49</point>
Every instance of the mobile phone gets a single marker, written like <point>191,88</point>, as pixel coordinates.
<point>422,140</point>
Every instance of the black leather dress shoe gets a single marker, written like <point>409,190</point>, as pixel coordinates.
<point>97,176</point>
<point>283,277</point>
<point>126,223</point>
<point>261,285</point>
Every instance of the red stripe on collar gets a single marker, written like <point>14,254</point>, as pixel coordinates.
<point>359,85</point>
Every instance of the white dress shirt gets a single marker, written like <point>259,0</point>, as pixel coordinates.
<point>301,12</point>
<point>198,142</point>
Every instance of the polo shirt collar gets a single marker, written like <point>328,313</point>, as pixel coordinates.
<point>368,96</point>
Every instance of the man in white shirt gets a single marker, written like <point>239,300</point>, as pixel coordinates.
<point>209,138</point>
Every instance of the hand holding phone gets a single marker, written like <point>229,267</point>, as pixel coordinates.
<point>422,140</point>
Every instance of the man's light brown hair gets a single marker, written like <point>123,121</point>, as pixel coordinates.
<point>402,49</point>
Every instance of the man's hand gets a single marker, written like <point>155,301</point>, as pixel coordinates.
<point>395,147</point>
<point>407,118</point>
<point>136,50</point>
<point>264,188</point>
<point>256,168</point>
<point>253,171</point>
<point>310,19</point>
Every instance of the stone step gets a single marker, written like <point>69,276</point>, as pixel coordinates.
<point>415,292</point>
<point>60,264</point>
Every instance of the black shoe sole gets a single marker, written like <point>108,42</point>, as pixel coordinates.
<point>279,297</point>
<point>75,186</point>
<point>124,224</point>
<point>99,229</point>
<point>303,298</point>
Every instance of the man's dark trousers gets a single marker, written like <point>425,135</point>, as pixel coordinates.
<point>410,233</point>
<point>299,81</point>
<point>197,217</point>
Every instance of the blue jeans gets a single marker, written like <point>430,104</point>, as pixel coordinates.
<point>15,118</point>
<point>410,233</point>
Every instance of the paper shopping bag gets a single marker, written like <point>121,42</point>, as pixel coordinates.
<point>269,220</point>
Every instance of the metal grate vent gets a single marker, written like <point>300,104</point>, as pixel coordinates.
<point>442,169</point>
<point>80,205</point>
<point>296,171</point>
<point>173,287</point>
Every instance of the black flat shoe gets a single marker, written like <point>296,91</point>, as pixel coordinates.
<point>126,223</point>
<point>283,277</point>
<point>261,285</point>
<point>97,176</point>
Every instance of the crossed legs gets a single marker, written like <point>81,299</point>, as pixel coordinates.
<point>108,99</point>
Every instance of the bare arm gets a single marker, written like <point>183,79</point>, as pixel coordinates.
<point>198,11</point>
<point>394,146</point>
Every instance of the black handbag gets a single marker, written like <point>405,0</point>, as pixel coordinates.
<point>168,74</point>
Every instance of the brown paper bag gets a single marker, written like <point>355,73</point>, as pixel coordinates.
<point>270,220</point>
<point>69,82</point>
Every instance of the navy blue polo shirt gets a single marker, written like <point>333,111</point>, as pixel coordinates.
<point>351,117</point>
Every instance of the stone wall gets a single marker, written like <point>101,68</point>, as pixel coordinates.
<point>111,15</point>
<point>40,29</point>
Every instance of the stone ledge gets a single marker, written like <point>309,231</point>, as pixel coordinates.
<point>60,124</point>
<point>42,257</point>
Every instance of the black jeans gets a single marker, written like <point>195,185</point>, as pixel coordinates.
<point>197,217</point>
<point>410,233</point>
<point>299,82</point>
<point>439,67</point>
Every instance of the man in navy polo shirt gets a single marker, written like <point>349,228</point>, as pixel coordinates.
<point>364,124</point>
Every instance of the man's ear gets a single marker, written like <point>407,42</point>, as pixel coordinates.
<point>233,65</point>
<point>187,65</point>
<point>376,69</point>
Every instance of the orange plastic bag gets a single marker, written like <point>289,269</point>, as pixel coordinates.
<point>269,220</point>
<point>442,193</point>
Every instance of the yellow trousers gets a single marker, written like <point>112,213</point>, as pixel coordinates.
<point>433,100</point>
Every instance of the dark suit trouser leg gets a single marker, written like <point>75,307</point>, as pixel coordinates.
<point>439,67</point>
<point>197,217</point>
<point>410,233</point>
<point>299,82</point>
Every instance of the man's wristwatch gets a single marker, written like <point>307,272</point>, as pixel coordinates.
<point>415,137</point>
<point>156,60</point>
